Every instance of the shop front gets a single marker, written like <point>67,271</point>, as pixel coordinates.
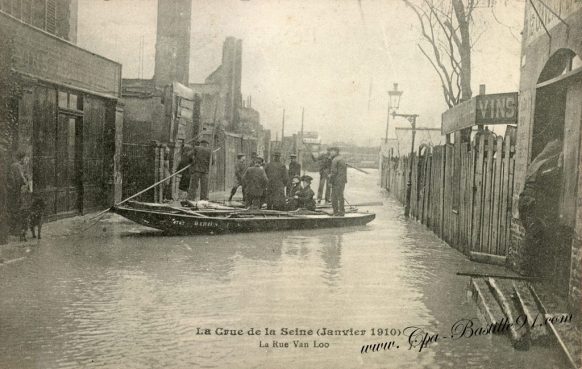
<point>64,115</point>
<point>550,113</point>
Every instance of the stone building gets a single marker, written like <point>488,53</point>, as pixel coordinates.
<point>550,107</point>
<point>59,105</point>
<point>57,17</point>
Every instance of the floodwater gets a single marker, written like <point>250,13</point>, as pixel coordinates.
<point>123,296</point>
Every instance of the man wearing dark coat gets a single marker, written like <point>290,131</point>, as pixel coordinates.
<point>254,181</point>
<point>338,177</point>
<point>324,163</point>
<point>201,156</point>
<point>278,180</point>
<point>294,166</point>
<point>239,170</point>
<point>185,176</point>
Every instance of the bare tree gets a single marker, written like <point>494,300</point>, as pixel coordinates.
<point>446,29</point>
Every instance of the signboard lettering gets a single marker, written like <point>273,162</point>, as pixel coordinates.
<point>482,109</point>
<point>534,24</point>
<point>496,109</point>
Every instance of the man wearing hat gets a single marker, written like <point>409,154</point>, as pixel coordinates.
<point>201,156</point>
<point>338,177</point>
<point>239,170</point>
<point>305,195</point>
<point>324,163</point>
<point>278,180</point>
<point>254,182</point>
<point>294,166</point>
<point>292,202</point>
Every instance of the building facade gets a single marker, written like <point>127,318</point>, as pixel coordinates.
<point>550,108</point>
<point>57,17</point>
<point>60,107</point>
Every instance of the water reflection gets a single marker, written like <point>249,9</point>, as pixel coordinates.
<point>331,254</point>
<point>118,299</point>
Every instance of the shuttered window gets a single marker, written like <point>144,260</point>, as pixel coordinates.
<point>51,16</point>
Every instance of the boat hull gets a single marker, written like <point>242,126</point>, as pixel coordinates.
<point>176,223</point>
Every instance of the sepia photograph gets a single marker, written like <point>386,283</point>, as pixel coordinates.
<point>291,184</point>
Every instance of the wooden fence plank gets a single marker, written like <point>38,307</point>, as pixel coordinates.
<point>485,245</point>
<point>496,196</point>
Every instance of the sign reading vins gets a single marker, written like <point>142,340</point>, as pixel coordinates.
<point>481,110</point>
<point>496,109</point>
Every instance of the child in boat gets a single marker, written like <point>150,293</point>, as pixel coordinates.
<point>305,195</point>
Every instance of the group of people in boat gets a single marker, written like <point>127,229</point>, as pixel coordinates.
<point>272,184</point>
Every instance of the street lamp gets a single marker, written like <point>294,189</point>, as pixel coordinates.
<point>412,119</point>
<point>393,103</point>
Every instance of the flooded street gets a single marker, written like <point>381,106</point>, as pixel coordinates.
<point>123,296</point>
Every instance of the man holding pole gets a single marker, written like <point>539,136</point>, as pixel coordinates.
<point>338,178</point>
<point>324,163</point>
<point>201,156</point>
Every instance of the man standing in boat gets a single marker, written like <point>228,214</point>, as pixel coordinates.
<point>338,177</point>
<point>239,170</point>
<point>278,180</point>
<point>254,182</point>
<point>324,163</point>
<point>201,156</point>
<point>294,166</point>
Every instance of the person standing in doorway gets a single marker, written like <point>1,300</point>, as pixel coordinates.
<point>278,180</point>
<point>338,177</point>
<point>18,187</point>
<point>201,156</point>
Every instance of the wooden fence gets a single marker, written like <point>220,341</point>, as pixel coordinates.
<point>462,192</point>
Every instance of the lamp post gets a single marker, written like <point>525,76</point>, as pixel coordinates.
<point>393,103</point>
<point>412,119</point>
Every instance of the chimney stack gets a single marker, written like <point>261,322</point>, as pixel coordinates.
<point>173,42</point>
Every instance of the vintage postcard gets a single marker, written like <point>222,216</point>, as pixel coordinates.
<point>290,184</point>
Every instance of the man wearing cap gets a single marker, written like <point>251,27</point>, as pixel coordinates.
<point>294,166</point>
<point>278,180</point>
<point>254,182</point>
<point>324,162</point>
<point>305,195</point>
<point>338,177</point>
<point>201,156</point>
<point>239,170</point>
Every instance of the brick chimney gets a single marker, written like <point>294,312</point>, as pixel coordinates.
<point>173,42</point>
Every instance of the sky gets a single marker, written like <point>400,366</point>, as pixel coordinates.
<point>325,56</point>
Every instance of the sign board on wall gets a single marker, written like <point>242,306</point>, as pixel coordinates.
<point>540,13</point>
<point>44,56</point>
<point>482,109</point>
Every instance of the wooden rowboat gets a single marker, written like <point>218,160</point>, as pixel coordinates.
<point>178,220</point>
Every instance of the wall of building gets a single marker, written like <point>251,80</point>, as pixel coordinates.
<point>537,49</point>
<point>58,17</point>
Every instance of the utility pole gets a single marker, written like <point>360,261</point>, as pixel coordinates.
<point>300,148</point>
<point>282,130</point>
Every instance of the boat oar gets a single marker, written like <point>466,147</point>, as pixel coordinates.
<point>361,204</point>
<point>142,191</point>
